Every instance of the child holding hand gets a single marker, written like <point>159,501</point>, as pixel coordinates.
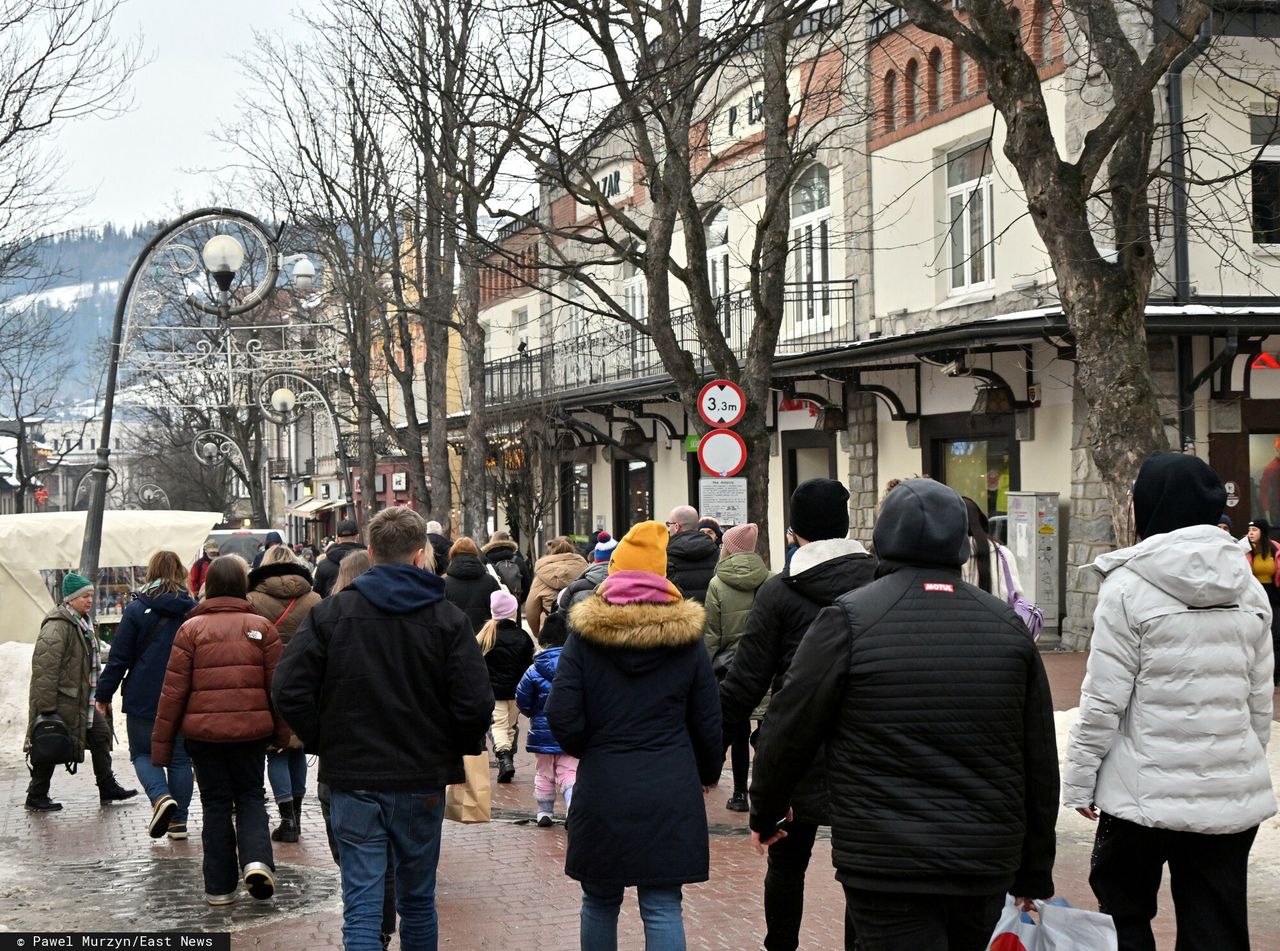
<point>555,768</point>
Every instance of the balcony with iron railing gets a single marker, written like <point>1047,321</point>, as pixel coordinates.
<point>817,316</point>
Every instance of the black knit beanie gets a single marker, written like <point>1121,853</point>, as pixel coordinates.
<point>820,509</point>
<point>1175,491</point>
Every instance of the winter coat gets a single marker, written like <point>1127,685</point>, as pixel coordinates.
<point>784,607</point>
<point>217,688</point>
<point>509,658</point>
<point>634,699</point>
<point>550,574</point>
<point>60,665</point>
<point>1175,709</point>
<point>1272,590</point>
<point>502,554</point>
<point>467,585</point>
<point>277,589</point>
<point>327,570</point>
<point>969,571</point>
<point>585,584</point>
<point>195,577</point>
<point>385,681</point>
<point>729,598</point>
<point>531,697</point>
<point>156,617</point>
<point>691,563</point>
<point>440,550</point>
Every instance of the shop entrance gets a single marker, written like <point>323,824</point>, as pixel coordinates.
<point>975,455</point>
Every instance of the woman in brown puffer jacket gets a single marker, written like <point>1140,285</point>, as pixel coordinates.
<point>559,566</point>
<point>280,590</point>
<point>217,693</point>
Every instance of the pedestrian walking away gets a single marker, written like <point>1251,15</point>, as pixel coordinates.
<point>508,652</point>
<point>503,557</point>
<point>327,568</point>
<point>439,548</point>
<point>385,681</point>
<point>691,554</point>
<point>216,693</point>
<point>635,700</point>
<point>824,566</point>
<point>556,769</point>
<point>559,566</point>
<point>1169,751</point>
<point>586,583</point>
<point>65,665</point>
<point>281,591</point>
<point>935,709</point>
<point>140,656</point>
<point>195,578</point>
<point>467,583</point>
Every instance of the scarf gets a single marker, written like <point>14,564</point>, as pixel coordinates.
<point>634,587</point>
<point>86,629</point>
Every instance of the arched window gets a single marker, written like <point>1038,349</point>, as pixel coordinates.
<point>911,92</point>
<point>809,296</point>
<point>889,107</point>
<point>935,80</point>
<point>718,252</point>
<point>959,76</point>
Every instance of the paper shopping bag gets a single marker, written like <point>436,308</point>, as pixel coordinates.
<point>469,801</point>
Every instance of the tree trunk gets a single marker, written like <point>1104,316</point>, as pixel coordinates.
<point>368,462</point>
<point>474,478</point>
<point>440,495</point>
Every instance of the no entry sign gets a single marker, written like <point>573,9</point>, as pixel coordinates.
<point>721,404</point>
<point>722,452</point>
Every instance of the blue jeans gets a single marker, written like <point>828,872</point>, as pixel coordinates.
<point>364,822</point>
<point>158,781</point>
<point>659,909</point>
<point>287,773</point>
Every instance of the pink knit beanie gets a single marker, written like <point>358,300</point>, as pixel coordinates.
<point>502,605</point>
<point>741,538</point>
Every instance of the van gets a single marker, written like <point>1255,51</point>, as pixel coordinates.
<point>240,541</point>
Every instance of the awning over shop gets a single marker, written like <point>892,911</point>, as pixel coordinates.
<point>307,507</point>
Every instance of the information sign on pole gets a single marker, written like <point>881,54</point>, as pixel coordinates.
<point>722,452</point>
<point>725,500</point>
<point>721,404</point>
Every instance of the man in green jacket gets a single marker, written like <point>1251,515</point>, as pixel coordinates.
<point>64,671</point>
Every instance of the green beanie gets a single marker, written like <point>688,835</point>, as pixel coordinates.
<point>74,584</point>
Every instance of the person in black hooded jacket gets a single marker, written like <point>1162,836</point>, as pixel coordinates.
<point>327,570</point>
<point>468,583</point>
<point>692,556</point>
<point>825,566</point>
<point>942,762</point>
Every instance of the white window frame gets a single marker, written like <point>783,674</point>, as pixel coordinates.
<point>1269,155</point>
<point>809,308</point>
<point>985,255</point>
<point>718,258</point>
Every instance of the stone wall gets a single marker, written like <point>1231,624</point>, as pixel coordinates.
<point>864,491</point>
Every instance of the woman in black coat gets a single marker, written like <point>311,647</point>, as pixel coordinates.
<point>635,700</point>
<point>468,583</point>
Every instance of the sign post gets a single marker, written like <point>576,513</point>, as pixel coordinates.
<point>722,453</point>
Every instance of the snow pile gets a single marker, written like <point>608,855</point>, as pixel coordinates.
<point>15,685</point>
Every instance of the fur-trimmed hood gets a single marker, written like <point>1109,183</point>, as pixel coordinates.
<point>284,579</point>
<point>639,628</point>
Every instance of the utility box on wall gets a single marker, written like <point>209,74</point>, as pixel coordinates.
<point>1036,544</point>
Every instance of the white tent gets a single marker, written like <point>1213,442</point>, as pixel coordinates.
<point>46,541</point>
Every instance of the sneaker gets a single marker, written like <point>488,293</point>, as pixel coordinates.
<point>161,812</point>
<point>228,899</point>
<point>177,830</point>
<point>544,820</point>
<point>737,803</point>
<point>42,804</point>
<point>260,879</point>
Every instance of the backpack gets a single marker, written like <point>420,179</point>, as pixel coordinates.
<point>51,742</point>
<point>508,573</point>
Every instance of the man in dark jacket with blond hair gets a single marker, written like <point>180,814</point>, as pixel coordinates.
<point>941,753</point>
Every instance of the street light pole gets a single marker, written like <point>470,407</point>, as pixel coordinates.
<point>92,547</point>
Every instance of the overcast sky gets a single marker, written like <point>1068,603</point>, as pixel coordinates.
<point>150,161</point>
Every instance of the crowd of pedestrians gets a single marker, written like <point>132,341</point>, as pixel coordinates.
<point>892,695</point>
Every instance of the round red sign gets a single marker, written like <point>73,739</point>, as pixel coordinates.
<point>722,452</point>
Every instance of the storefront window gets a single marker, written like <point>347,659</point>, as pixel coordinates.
<point>633,493</point>
<point>979,469</point>
<point>575,499</point>
<point>1264,476</point>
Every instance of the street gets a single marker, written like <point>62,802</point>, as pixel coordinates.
<point>501,884</point>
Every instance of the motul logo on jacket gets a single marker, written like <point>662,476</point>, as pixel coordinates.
<point>940,586</point>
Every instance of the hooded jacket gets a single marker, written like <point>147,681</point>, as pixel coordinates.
<point>585,584</point>
<point>531,697</point>
<point>784,607</point>
<point>1175,709</point>
<point>467,585</point>
<point>440,550</point>
<point>635,700</point>
<point>283,595</point>
<point>550,574</point>
<point>60,665</point>
<point>691,563</point>
<point>385,681</point>
<point>730,596</point>
<point>935,711</point>
<point>217,687</point>
<point>327,570</point>
<point>510,657</point>
<point>500,552</point>
<point>154,618</point>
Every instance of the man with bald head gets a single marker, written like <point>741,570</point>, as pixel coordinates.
<point>691,555</point>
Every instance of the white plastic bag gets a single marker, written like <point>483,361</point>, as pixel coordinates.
<point>1061,928</point>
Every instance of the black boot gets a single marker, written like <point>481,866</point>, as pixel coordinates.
<point>287,831</point>
<point>297,812</point>
<point>738,802</point>
<point>110,791</point>
<point>506,766</point>
<point>42,804</point>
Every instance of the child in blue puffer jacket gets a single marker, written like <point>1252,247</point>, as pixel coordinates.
<point>554,766</point>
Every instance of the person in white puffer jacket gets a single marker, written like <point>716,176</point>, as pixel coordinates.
<point>1175,713</point>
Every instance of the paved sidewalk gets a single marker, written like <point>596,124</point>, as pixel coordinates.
<point>502,885</point>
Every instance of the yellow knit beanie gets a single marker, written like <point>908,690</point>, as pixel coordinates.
<point>643,548</point>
